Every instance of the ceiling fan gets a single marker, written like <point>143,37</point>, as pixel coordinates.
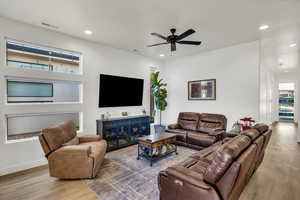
<point>173,39</point>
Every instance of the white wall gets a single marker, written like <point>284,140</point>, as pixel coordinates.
<point>96,59</point>
<point>236,70</point>
<point>269,95</point>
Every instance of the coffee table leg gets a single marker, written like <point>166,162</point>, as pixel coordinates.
<point>151,155</point>
<point>176,149</point>
<point>138,157</point>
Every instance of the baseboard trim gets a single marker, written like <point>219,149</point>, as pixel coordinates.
<point>23,166</point>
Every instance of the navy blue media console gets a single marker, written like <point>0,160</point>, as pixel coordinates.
<point>123,131</point>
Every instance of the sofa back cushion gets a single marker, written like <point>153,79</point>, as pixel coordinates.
<point>262,128</point>
<point>209,122</point>
<point>245,161</point>
<point>253,134</point>
<point>53,138</point>
<point>224,156</point>
<point>188,120</point>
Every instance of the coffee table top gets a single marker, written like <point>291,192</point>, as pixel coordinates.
<point>156,137</point>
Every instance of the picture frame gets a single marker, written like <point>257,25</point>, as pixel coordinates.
<point>202,89</point>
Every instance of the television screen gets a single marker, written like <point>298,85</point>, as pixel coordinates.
<point>116,91</point>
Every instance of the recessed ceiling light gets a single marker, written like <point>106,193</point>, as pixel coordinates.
<point>293,45</point>
<point>161,55</point>
<point>263,27</point>
<point>88,32</point>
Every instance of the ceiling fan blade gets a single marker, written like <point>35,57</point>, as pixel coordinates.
<point>153,45</point>
<point>185,34</point>
<point>190,42</point>
<point>173,46</point>
<point>160,36</point>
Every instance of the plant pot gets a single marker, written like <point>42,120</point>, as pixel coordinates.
<point>159,128</point>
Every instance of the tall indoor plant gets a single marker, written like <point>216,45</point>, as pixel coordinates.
<point>160,94</point>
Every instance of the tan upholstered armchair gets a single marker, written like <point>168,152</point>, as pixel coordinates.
<point>71,156</point>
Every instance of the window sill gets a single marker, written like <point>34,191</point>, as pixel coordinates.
<point>55,103</point>
<point>21,140</point>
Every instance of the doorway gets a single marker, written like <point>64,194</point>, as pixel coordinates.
<point>286,101</point>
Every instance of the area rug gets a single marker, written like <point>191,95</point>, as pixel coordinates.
<point>123,177</point>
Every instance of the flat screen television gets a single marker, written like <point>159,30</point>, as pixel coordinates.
<point>116,91</point>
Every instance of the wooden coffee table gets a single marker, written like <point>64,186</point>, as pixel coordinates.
<point>156,146</point>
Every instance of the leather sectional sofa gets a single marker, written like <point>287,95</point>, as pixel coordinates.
<point>197,130</point>
<point>70,156</point>
<point>219,172</point>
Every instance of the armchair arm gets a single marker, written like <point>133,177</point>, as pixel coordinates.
<point>89,138</point>
<point>173,126</point>
<point>182,174</point>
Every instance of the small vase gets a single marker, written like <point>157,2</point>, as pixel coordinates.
<point>159,128</point>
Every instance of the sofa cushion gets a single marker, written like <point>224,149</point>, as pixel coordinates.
<point>200,139</point>
<point>208,127</point>
<point>180,134</point>
<point>224,156</point>
<point>188,120</point>
<point>200,166</point>
<point>74,141</point>
<point>262,128</point>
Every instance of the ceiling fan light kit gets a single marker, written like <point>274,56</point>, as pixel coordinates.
<point>173,39</point>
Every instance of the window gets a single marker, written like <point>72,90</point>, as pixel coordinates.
<point>25,55</point>
<point>20,126</point>
<point>286,101</point>
<point>41,91</point>
<point>29,89</point>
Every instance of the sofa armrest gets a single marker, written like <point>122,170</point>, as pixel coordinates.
<point>89,138</point>
<point>173,126</point>
<point>182,174</point>
<point>216,132</point>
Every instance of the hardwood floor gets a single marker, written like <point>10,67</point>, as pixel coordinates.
<point>35,184</point>
<point>278,178</point>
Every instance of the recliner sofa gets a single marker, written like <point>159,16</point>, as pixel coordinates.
<point>70,156</point>
<point>219,172</point>
<point>197,130</point>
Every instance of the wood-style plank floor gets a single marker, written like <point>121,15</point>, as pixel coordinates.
<point>278,178</point>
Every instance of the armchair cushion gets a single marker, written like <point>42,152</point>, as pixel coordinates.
<point>74,141</point>
<point>73,150</point>
<point>89,138</point>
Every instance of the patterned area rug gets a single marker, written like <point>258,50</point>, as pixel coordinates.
<point>123,177</point>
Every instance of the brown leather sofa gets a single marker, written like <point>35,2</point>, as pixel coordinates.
<point>197,130</point>
<point>219,172</point>
<point>70,156</point>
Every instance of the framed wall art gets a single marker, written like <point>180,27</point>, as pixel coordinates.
<point>202,89</point>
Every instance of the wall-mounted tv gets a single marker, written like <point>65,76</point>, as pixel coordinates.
<point>116,91</point>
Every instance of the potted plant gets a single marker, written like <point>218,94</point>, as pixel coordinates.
<point>160,94</point>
